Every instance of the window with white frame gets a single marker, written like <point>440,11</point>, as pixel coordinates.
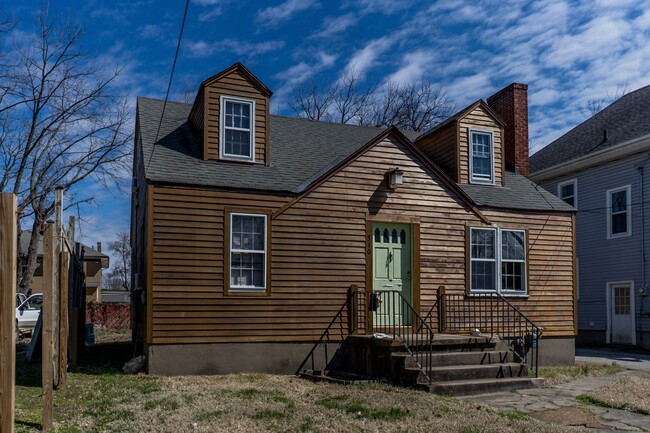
<point>568,191</point>
<point>481,156</point>
<point>619,212</point>
<point>248,240</point>
<point>497,260</point>
<point>237,128</point>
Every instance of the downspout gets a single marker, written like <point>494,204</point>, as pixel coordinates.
<point>643,291</point>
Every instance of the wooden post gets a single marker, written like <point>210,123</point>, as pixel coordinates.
<point>64,265</point>
<point>441,309</point>
<point>8,258</point>
<point>47,315</point>
<point>56,298</point>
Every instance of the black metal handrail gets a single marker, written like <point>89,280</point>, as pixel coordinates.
<point>350,318</point>
<point>489,313</point>
<point>394,315</point>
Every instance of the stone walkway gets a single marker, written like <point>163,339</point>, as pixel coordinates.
<point>532,401</point>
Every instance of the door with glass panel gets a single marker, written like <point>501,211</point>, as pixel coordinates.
<point>621,304</point>
<point>391,273</point>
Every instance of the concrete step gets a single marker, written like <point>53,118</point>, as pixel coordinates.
<point>442,359</point>
<point>469,372</point>
<point>482,386</point>
<point>452,343</point>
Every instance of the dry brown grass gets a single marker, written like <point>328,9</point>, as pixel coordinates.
<point>563,374</point>
<point>266,403</point>
<point>108,335</point>
<point>628,393</point>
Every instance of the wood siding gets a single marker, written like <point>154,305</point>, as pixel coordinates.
<point>442,148</point>
<point>234,84</point>
<point>479,119</point>
<point>197,118</point>
<point>320,249</point>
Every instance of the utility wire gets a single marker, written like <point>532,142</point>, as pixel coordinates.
<point>169,85</point>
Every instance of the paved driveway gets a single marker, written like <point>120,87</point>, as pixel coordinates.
<point>631,360</point>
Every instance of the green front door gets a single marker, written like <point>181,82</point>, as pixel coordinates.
<point>391,271</point>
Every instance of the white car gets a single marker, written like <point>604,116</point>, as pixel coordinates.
<point>27,314</point>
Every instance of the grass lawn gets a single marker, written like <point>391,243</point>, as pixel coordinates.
<point>628,393</point>
<point>563,374</point>
<point>100,398</point>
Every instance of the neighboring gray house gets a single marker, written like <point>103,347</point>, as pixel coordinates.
<point>602,167</point>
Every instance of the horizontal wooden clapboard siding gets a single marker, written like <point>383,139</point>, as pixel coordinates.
<point>319,248</point>
<point>479,119</point>
<point>234,84</point>
<point>442,148</point>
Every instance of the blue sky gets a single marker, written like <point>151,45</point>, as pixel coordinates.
<point>566,51</point>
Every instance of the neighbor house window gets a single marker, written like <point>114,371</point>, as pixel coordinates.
<point>568,191</point>
<point>619,212</point>
<point>237,128</point>
<point>481,156</point>
<point>497,260</point>
<point>248,240</point>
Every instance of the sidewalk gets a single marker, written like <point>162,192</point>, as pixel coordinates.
<point>559,402</point>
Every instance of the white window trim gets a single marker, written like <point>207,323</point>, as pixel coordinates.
<point>628,207</point>
<point>222,127</point>
<point>480,180</point>
<point>608,295</point>
<point>231,250</point>
<point>498,260</point>
<point>573,181</point>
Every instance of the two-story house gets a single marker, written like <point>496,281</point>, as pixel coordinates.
<point>601,168</point>
<point>249,229</point>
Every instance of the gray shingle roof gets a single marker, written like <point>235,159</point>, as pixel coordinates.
<point>301,151</point>
<point>624,120</point>
<point>519,193</point>
<point>23,245</point>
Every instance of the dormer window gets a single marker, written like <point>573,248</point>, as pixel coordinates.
<point>237,128</point>
<point>481,156</point>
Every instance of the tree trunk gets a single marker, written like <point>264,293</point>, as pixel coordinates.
<point>32,255</point>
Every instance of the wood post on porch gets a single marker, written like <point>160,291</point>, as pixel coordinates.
<point>441,309</point>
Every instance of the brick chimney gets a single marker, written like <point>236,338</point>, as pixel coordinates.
<point>99,247</point>
<point>511,103</point>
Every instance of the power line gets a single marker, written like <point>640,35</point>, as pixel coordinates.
<point>169,85</point>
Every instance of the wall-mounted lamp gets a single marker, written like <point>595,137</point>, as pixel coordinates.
<point>395,178</point>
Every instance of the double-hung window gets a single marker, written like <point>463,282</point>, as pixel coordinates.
<point>248,247</point>
<point>568,191</point>
<point>481,156</point>
<point>497,260</point>
<point>237,128</point>
<point>619,212</point>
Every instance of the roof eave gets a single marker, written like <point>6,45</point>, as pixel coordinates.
<point>635,145</point>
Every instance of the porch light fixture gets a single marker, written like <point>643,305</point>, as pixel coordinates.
<point>395,178</point>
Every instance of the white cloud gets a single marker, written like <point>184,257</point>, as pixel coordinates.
<point>365,58</point>
<point>333,26</point>
<point>387,7</point>
<point>414,66</point>
<point>277,15</point>
<point>202,49</point>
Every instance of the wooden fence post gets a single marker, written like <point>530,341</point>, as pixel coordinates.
<point>64,265</point>
<point>441,309</point>
<point>8,258</point>
<point>47,316</point>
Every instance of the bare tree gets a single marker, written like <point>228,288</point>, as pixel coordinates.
<point>415,106</point>
<point>62,125</point>
<point>594,106</point>
<point>119,275</point>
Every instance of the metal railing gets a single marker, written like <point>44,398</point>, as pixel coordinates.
<point>350,319</point>
<point>489,313</point>
<point>394,315</point>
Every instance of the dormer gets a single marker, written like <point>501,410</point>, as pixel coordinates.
<point>468,146</point>
<point>476,145</point>
<point>230,117</point>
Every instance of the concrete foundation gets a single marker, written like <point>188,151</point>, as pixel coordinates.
<point>227,358</point>
<point>283,358</point>
<point>557,351</point>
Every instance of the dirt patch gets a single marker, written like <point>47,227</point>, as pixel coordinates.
<point>628,393</point>
<point>570,416</point>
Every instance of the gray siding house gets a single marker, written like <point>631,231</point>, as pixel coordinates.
<point>602,168</point>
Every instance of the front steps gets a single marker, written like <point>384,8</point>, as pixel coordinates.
<point>458,365</point>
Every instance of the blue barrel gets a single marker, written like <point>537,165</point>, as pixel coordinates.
<point>90,334</point>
